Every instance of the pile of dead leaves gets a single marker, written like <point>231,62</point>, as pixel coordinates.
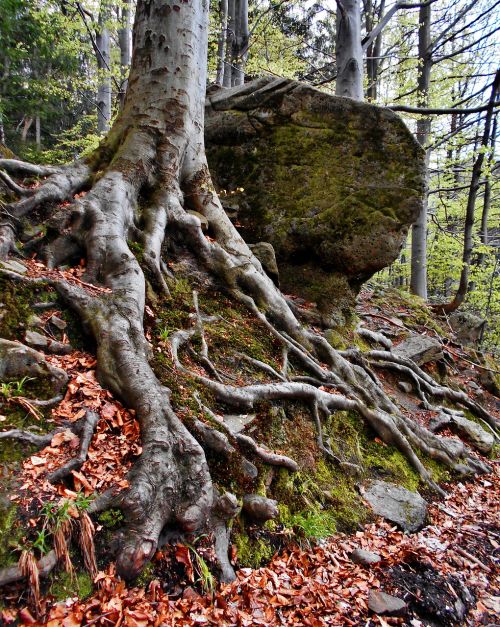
<point>114,446</point>
<point>321,585</point>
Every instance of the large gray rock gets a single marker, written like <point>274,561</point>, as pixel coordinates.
<point>333,184</point>
<point>18,361</point>
<point>478,437</point>
<point>399,505</point>
<point>385,604</point>
<point>420,349</point>
<point>467,326</point>
<point>264,252</point>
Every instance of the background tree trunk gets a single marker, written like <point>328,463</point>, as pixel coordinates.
<point>103,57</point>
<point>125,43</point>
<point>221,43</point>
<point>348,51</point>
<point>418,280</point>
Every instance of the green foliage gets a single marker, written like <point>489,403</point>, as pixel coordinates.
<point>10,534</point>
<point>66,585</point>
<point>111,518</point>
<point>14,388</point>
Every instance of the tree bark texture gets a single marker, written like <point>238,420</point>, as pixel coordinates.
<point>103,57</point>
<point>348,51</point>
<point>418,278</point>
<point>125,43</point>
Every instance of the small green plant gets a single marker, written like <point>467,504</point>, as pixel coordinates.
<point>14,388</point>
<point>41,541</point>
<point>206,578</point>
<point>164,333</point>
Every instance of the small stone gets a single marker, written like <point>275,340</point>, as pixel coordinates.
<point>37,340</point>
<point>360,556</point>
<point>405,386</point>
<point>58,323</point>
<point>249,470</point>
<point>264,252</point>
<point>237,423</point>
<point>386,604</point>
<point>399,505</point>
<point>260,507</point>
<point>14,266</point>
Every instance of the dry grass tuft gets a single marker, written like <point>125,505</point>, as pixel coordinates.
<point>87,531</point>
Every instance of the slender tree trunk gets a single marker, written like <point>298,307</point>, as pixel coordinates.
<point>38,133</point>
<point>28,121</point>
<point>471,205</point>
<point>124,41</point>
<point>418,281</point>
<point>348,51</point>
<point>374,49</point>
<point>240,42</point>
<point>230,36</point>
<point>221,42</point>
<point>487,189</point>
<point>103,42</point>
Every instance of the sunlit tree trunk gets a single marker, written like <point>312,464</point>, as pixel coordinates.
<point>418,281</point>
<point>221,43</point>
<point>124,41</point>
<point>103,57</point>
<point>348,51</point>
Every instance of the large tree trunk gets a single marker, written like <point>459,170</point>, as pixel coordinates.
<point>348,51</point>
<point>418,280</point>
<point>141,184</point>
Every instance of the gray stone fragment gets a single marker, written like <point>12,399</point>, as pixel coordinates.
<point>399,505</point>
<point>467,326</point>
<point>385,604</point>
<point>249,469</point>
<point>236,423</point>
<point>37,340</point>
<point>405,386</point>
<point>267,257</point>
<point>260,507</point>
<point>420,349</point>
<point>18,361</point>
<point>360,556</point>
<point>14,266</point>
<point>478,437</point>
<point>58,323</point>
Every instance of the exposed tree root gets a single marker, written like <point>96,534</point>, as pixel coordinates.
<point>85,430</point>
<point>45,565</point>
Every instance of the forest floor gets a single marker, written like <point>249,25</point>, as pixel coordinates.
<point>447,573</point>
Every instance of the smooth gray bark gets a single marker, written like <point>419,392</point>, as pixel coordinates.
<point>103,43</point>
<point>348,51</point>
<point>221,42</point>
<point>125,43</point>
<point>418,279</point>
<point>240,42</point>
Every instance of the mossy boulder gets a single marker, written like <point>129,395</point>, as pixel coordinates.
<point>333,184</point>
